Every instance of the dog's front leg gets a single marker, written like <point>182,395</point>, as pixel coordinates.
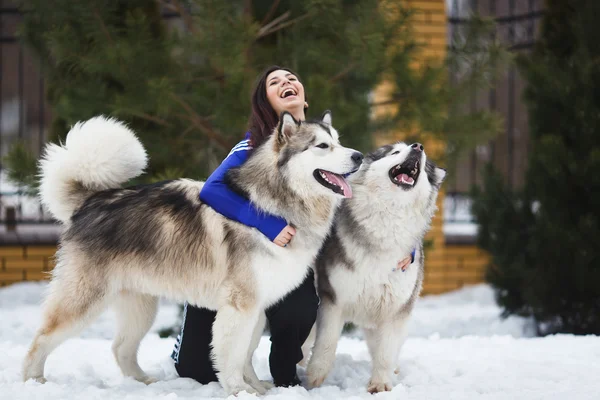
<point>384,344</point>
<point>232,334</point>
<point>330,322</point>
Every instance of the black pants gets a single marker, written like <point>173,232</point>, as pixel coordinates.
<point>290,322</point>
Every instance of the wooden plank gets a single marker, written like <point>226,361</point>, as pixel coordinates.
<point>11,251</point>
<point>435,41</point>
<point>454,275</point>
<point>430,28</point>
<point>441,253</point>
<point>427,5</point>
<point>430,52</point>
<point>37,275</point>
<point>20,263</point>
<point>428,16</point>
<point>465,251</point>
<point>44,251</point>
<point>474,264</point>
<point>436,287</point>
<point>11,277</point>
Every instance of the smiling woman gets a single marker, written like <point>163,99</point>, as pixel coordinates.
<point>269,100</point>
<point>277,90</point>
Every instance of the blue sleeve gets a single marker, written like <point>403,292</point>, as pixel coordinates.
<point>218,195</point>
<point>412,256</point>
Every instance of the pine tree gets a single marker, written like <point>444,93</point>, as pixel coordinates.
<point>544,238</point>
<point>185,87</point>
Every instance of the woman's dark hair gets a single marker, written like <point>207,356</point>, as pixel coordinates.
<point>263,118</point>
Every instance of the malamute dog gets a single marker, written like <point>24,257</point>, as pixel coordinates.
<point>394,201</point>
<point>127,246</point>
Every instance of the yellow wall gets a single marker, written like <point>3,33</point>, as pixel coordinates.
<point>447,267</point>
<point>25,263</point>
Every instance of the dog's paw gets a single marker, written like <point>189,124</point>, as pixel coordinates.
<point>317,371</point>
<point>147,380</point>
<point>38,379</point>
<point>268,385</point>
<point>315,381</point>
<point>377,387</point>
<point>237,389</point>
<point>261,387</point>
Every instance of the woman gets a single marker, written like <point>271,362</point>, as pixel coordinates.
<point>290,320</point>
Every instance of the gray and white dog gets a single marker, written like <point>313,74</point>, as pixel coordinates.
<point>394,200</point>
<point>126,247</point>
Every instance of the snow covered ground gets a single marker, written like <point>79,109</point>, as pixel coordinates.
<point>458,349</point>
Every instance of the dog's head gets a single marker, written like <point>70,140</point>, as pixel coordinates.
<point>313,159</point>
<point>401,169</point>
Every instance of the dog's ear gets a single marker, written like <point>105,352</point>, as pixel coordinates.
<point>287,126</point>
<point>440,175</point>
<point>435,174</point>
<point>326,117</point>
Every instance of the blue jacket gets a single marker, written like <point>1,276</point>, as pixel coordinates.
<point>217,194</point>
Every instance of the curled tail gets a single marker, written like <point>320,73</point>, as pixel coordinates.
<point>100,153</point>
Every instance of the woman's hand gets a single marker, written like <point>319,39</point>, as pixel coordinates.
<point>286,235</point>
<point>403,264</point>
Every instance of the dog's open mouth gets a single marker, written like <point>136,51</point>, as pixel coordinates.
<point>334,182</point>
<point>406,174</point>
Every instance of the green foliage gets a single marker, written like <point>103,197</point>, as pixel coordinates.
<point>544,238</point>
<point>184,85</point>
<point>25,170</point>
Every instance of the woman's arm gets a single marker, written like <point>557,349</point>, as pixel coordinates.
<point>218,195</point>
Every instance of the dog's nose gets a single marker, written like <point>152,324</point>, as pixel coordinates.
<point>418,147</point>
<point>357,157</point>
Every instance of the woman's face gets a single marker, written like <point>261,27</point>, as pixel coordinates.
<point>285,92</point>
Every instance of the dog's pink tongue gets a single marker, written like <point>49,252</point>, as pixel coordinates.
<point>341,182</point>
<point>404,178</point>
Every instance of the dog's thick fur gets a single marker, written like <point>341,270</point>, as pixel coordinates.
<point>356,268</point>
<point>127,246</point>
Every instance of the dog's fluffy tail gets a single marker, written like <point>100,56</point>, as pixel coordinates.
<point>100,153</point>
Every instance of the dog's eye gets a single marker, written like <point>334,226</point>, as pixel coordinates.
<point>396,152</point>
<point>323,145</point>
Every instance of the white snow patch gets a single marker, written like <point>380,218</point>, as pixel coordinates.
<point>459,348</point>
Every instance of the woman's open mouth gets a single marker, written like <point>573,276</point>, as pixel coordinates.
<point>288,93</point>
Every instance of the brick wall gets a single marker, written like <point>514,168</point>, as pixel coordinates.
<point>25,263</point>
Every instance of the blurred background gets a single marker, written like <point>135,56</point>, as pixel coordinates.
<point>503,93</point>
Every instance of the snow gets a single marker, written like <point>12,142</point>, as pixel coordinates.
<point>459,348</point>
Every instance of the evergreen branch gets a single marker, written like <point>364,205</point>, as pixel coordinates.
<point>200,123</point>
<point>248,8</point>
<point>103,27</point>
<point>277,20</point>
<point>148,117</point>
<point>270,12</point>
<point>343,72</point>
<point>264,32</point>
